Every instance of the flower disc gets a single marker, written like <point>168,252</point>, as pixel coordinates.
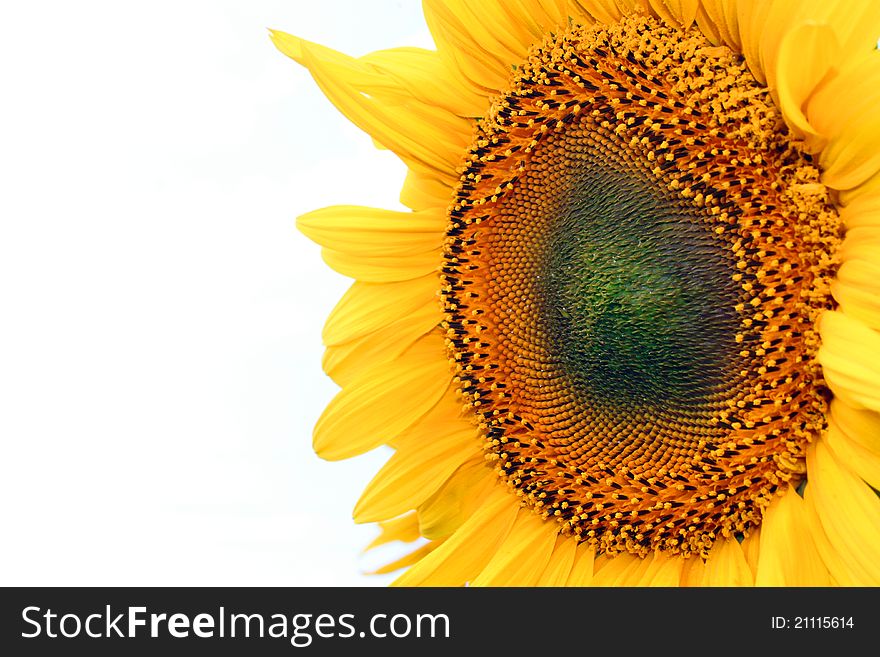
<point>634,265</point>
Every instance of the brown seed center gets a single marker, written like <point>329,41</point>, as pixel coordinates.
<point>634,265</point>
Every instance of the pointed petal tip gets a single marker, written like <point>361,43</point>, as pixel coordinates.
<point>288,44</point>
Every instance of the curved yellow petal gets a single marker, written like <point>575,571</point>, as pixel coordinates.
<point>861,242</point>
<point>428,78</point>
<point>751,547</point>
<point>850,358</point>
<point>850,93</point>
<point>494,29</point>
<point>664,570</point>
<point>724,18</point>
<point>707,26</point>
<point>383,269</point>
<point>854,436</point>
<point>413,473</point>
<point>582,569</point>
<point>406,560</point>
<point>854,23</point>
<point>452,504</point>
<point>550,14</point>
<point>751,18</point>
<point>461,557</point>
<point>558,569</point>
<point>373,232</point>
<point>524,553</point>
<point>368,412</point>
<point>620,570</point>
<point>839,570</point>
<point>788,553</point>
<point>343,362</point>
<point>843,110</point>
<point>857,288</point>
<point>852,156</point>
<point>426,137</point>
<point>861,212</point>
<point>421,192</point>
<point>681,13</point>
<point>849,512</point>
<point>806,56</point>
<point>404,528</point>
<point>482,65</point>
<point>693,571</point>
<point>868,189</point>
<point>726,565</point>
<point>369,307</point>
<point>602,11</point>
<point>851,23</point>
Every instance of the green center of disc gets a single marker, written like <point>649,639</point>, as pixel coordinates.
<point>637,294</point>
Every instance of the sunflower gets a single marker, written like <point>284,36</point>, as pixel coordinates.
<point>628,332</point>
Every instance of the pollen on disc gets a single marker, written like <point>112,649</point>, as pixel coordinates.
<point>634,265</point>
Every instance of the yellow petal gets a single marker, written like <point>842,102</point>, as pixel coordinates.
<point>847,25</point>
<point>724,17</point>
<point>854,436</point>
<point>620,570</point>
<point>852,156</point>
<point>368,307</point>
<point>693,571</point>
<point>862,212</point>
<point>446,416</point>
<point>486,71</point>
<point>413,473</point>
<point>751,547</point>
<point>788,553</point>
<point>383,269</point>
<point>525,552</point>
<point>407,560</point>
<point>561,562</point>
<point>404,528</point>
<point>344,362</point>
<point>425,193</point>
<point>490,26</point>
<point>850,93</point>
<point>850,358</point>
<point>857,290</point>
<point>751,19</point>
<point>663,570</point>
<point>450,507</point>
<point>368,412</point>
<point>602,11</point>
<point>549,14</point>
<point>849,512</point>
<point>461,557</point>
<point>806,56</point>
<point>710,30</point>
<point>680,13</point>
<point>427,77</point>
<point>726,565</point>
<point>843,110</point>
<point>426,137</point>
<point>582,570</point>
<point>868,189</point>
<point>839,570</point>
<point>861,242</point>
<point>854,23</point>
<point>373,232</point>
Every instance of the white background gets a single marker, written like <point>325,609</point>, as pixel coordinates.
<point>160,316</point>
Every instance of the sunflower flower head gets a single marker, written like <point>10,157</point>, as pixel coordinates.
<point>627,334</point>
